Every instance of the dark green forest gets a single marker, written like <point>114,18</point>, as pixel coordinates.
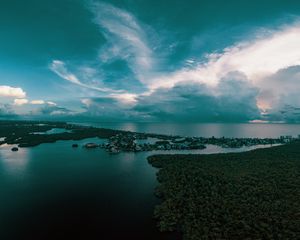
<point>250,195</point>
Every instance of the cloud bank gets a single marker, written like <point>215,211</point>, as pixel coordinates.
<point>263,55</point>
<point>6,111</point>
<point>234,102</point>
<point>12,92</point>
<point>254,79</point>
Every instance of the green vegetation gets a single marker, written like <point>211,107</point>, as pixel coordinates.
<point>30,133</point>
<point>250,195</point>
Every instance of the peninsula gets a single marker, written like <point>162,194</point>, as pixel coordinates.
<point>249,195</point>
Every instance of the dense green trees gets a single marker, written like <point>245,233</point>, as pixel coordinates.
<point>251,195</point>
<point>24,133</point>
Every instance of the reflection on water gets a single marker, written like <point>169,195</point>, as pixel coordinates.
<point>54,131</point>
<point>208,130</point>
<point>127,161</point>
<point>14,163</point>
<point>210,149</point>
<point>76,193</point>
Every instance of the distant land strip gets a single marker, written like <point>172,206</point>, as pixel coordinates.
<point>33,133</point>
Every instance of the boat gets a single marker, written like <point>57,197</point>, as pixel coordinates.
<point>91,145</point>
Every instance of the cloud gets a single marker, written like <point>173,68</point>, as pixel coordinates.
<point>126,39</point>
<point>233,100</point>
<point>6,111</point>
<point>59,67</point>
<point>259,57</point>
<point>51,103</point>
<point>37,102</point>
<point>23,101</point>
<point>52,110</point>
<point>14,92</point>
<point>283,114</point>
<point>126,99</point>
<point>279,95</point>
<point>105,109</point>
<point>20,101</point>
<point>281,88</point>
<point>251,80</point>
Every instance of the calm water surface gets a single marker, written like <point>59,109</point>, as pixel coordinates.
<point>208,130</point>
<point>53,191</point>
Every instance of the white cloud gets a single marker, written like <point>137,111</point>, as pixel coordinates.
<point>127,99</point>
<point>59,67</point>
<point>86,101</point>
<point>20,101</point>
<point>15,92</point>
<point>59,112</point>
<point>6,110</point>
<point>126,38</point>
<point>37,102</point>
<point>258,58</point>
<point>51,103</point>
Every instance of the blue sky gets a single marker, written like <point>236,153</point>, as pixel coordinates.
<point>142,60</point>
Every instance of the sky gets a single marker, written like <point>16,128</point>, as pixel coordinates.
<point>150,60</point>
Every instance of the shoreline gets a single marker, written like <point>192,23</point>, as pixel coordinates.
<point>33,133</point>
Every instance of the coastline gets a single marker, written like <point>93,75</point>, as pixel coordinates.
<point>30,133</point>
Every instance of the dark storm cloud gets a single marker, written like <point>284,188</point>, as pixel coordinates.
<point>107,109</point>
<point>6,111</point>
<point>281,91</point>
<point>51,110</point>
<point>234,99</point>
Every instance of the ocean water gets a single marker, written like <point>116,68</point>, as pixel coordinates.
<point>208,130</point>
<point>54,191</point>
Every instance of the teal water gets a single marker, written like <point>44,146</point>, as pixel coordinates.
<point>53,131</point>
<point>208,129</point>
<point>53,191</point>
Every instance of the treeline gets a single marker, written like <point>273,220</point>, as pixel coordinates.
<point>29,133</point>
<point>251,195</point>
